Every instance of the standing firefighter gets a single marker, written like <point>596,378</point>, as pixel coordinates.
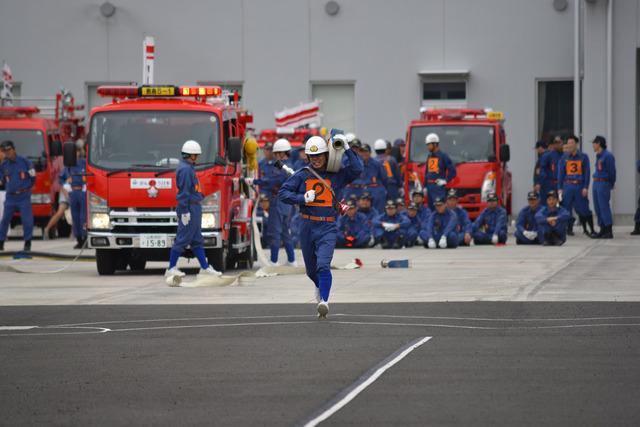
<point>314,189</point>
<point>440,170</point>
<point>189,211</point>
<point>75,191</point>
<point>604,180</point>
<point>18,176</point>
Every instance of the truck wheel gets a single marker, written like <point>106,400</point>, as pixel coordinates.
<point>137,264</point>
<point>249,255</point>
<point>218,258</point>
<point>106,261</point>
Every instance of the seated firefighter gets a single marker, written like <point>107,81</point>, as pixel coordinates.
<point>491,226</point>
<point>439,230</point>
<point>463,223</point>
<point>414,226</point>
<point>526,225</point>
<point>552,222</point>
<point>352,229</point>
<point>390,227</point>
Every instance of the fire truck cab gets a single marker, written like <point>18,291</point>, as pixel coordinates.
<point>39,138</point>
<point>476,142</point>
<point>133,149</point>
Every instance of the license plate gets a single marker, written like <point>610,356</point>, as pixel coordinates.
<point>154,241</point>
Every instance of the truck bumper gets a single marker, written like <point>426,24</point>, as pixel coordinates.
<point>109,240</point>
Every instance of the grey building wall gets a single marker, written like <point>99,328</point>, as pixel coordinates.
<point>279,48</point>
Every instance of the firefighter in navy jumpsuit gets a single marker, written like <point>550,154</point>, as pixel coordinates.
<point>463,224</point>
<point>440,170</point>
<point>318,231</point>
<point>18,176</point>
<point>189,211</point>
<point>440,229</point>
<point>549,167</point>
<point>352,229</point>
<point>73,182</point>
<point>552,222</point>
<point>526,225</point>
<point>491,226</point>
<point>604,179</point>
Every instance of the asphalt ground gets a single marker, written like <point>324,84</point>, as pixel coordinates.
<point>486,363</point>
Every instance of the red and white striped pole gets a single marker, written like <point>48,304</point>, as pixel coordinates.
<point>148,55</point>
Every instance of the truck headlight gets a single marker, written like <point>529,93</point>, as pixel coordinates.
<point>208,220</point>
<point>99,221</point>
<point>40,198</point>
<point>211,203</point>
<point>488,185</point>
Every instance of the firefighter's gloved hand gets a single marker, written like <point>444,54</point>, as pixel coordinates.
<point>288,170</point>
<point>185,218</point>
<point>248,181</point>
<point>309,196</point>
<point>441,182</point>
<point>531,235</point>
<point>560,196</point>
<point>419,241</point>
<point>431,244</point>
<point>494,239</point>
<point>443,242</point>
<point>67,187</point>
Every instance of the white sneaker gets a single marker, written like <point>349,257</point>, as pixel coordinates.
<point>293,263</point>
<point>323,309</point>
<point>174,272</point>
<point>318,299</point>
<point>211,271</point>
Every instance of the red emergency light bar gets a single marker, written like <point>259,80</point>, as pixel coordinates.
<point>18,111</point>
<point>461,114</point>
<point>159,91</point>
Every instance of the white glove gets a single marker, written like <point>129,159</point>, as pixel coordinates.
<point>67,187</point>
<point>249,181</point>
<point>494,239</point>
<point>288,170</point>
<point>388,226</point>
<point>531,235</point>
<point>560,196</point>
<point>419,241</point>
<point>441,182</point>
<point>372,241</point>
<point>309,196</point>
<point>431,244</point>
<point>185,218</point>
<point>443,242</point>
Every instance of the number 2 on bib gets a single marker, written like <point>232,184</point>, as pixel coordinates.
<point>323,195</point>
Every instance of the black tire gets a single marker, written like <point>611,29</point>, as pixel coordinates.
<point>121,259</point>
<point>137,264</point>
<point>218,258</point>
<point>106,261</point>
<point>248,256</point>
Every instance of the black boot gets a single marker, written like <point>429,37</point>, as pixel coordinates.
<point>1,245</point>
<point>570,232</point>
<point>636,230</point>
<point>385,244</point>
<point>27,245</point>
<point>78,243</point>
<point>590,224</point>
<point>608,232</point>
<point>398,243</point>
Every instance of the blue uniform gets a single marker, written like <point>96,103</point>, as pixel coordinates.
<point>553,234</point>
<point>441,224</point>
<point>574,176</point>
<point>490,222</point>
<point>424,212</point>
<point>353,232</point>
<point>536,172</point>
<point>264,219</point>
<point>318,229</point>
<point>392,172</point>
<point>439,166</point>
<point>18,177</point>
<point>77,196</point>
<point>370,215</point>
<point>549,172</point>
<point>527,222</point>
<point>189,200</point>
<point>604,179</point>
<point>388,238</point>
<point>372,180</point>
<point>413,229</point>
<point>280,214</point>
<point>463,224</point>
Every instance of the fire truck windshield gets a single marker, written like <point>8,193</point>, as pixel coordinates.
<point>29,142</point>
<point>463,143</point>
<point>129,140</point>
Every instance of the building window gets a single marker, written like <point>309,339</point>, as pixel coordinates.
<point>338,105</point>
<point>443,91</point>
<point>555,109</point>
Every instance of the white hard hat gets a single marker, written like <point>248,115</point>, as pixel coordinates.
<point>350,136</point>
<point>380,144</point>
<point>281,145</point>
<point>316,145</point>
<point>191,147</point>
<point>432,138</point>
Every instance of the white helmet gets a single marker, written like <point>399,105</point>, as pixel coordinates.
<point>350,137</point>
<point>380,144</point>
<point>191,147</point>
<point>281,145</point>
<point>432,138</point>
<point>316,145</point>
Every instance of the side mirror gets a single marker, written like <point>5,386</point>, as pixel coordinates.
<point>234,150</point>
<point>505,153</point>
<point>69,154</point>
<point>55,148</point>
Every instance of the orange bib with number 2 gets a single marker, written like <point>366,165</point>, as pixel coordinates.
<point>323,195</point>
<point>433,165</point>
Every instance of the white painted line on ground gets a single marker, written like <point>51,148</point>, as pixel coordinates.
<point>16,328</point>
<point>348,394</point>
<point>488,319</point>
<point>494,328</point>
<point>39,334</point>
<point>185,319</point>
<point>212,325</point>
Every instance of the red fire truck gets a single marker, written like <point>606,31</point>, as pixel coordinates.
<point>38,137</point>
<point>133,149</point>
<point>476,142</point>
